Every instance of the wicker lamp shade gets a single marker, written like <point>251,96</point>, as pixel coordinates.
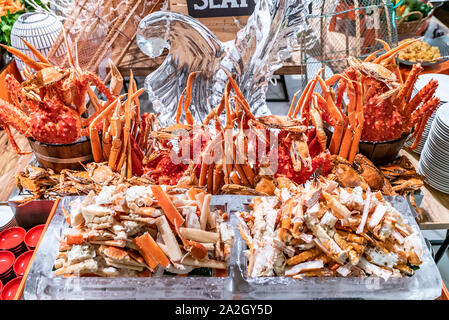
<point>38,28</point>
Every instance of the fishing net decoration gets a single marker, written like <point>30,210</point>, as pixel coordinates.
<point>342,28</point>
<point>98,30</point>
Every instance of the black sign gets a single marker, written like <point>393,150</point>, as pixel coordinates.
<point>220,8</point>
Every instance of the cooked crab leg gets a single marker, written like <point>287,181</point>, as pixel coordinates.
<point>188,100</point>
<point>127,126</point>
<point>386,57</point>
<point>11,139</point>
<point>359,126</point>
<point>36,52</point>
<point>402,96</point>
<point>116,82</point>
<point>179,108</point>
<point>240,97</point>
<point>27,60</point>
<point>337,115</point>
<point>93,132</point>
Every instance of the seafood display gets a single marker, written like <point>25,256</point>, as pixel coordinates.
<point>48,106</point>
<point>138,230</point>
<point>381,106</point>
<point>247,152</point>
<point>326,230</point>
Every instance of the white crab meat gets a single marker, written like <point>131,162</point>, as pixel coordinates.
<point>372,269</point>
<point>386,229</point>
<point>80,253</point>
<point>352,200</point>
<point>285,194</point>
<point>345,270</point>
<point>192,221</point>
<point>140,195</point>
<point>328,220</point>
<point>76,216</point>
<point>279,261</point>
<point>186,210</point>
<point>331,186</point>
<point>311,198</point>
<point>313,210</point>
<point>106,195</point>
<point>226,232</point>
<point>94,210</point>
<point>381,258</point>
<point>263,261</point>
<point>305,266</point>
<point>413,243</point>
<point>377,215</point>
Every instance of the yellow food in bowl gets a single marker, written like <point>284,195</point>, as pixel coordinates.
<point>419,51</point>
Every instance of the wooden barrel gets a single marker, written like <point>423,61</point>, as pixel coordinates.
<point>62,156</point>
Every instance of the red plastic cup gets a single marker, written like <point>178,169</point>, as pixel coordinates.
<point>12,238</point>
<point>22,262</point>
<point>33,235</point>
<point>10,289</point>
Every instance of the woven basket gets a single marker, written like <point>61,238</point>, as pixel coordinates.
<point>408,29</point>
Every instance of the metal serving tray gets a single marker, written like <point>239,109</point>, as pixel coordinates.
<point>42,283</point>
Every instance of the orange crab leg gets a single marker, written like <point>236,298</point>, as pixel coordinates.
<point>38,55</point>
<point>349,132</point>
<point>27,60</point>
<point>240,97</point>
<point>188,114</point>
<point>12,141</point>
<point>127,126</point>
<point>93,132</point>
<point>301,98</point>
<point>179,108</point>
<point>305,97</point>
<point>336,114</point>
<point>167,206</point>
<point>411,79</point>
<point>422,96</point>
<point>390,54</point>
<point>372,56</point>
<point>359,127</point>
<point>290,111</point>
<point>418,133</point>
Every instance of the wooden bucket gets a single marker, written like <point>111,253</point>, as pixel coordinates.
<point>62,156</point>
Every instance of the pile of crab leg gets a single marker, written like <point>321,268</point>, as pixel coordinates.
<point>121,128</point>
<point>143,231</point>
<point>325,230</point>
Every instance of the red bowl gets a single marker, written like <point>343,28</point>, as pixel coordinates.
<point>10,289</point>
<point>11,238</point>
<point>33,235</point>
<point>6,261</point>
<point>22,262</point>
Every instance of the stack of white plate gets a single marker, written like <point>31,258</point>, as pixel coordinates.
<point>442,92</point>
<point>434,160</point>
